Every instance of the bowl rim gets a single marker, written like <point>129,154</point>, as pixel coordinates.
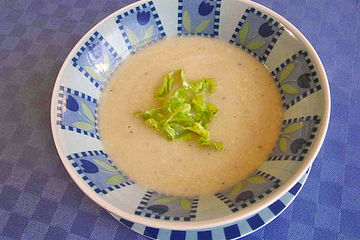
<point>201,224</point>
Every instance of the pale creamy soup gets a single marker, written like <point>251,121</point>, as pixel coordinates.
<point>248,122</point>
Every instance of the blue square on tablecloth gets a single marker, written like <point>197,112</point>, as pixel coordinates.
<point>35,230</point>
<point>304,211</point>
<point>350,222</point>
<point>328,217</point>
<point>353,150</point>
<point>15,226</point>
<point>5,165</point>
<point>84,224</point>
<point>8,198</point>
<point>323,234</point>
<point>330,194</point>
<point>55,233</point>
<point>351,198</point>
<point>333,171</point>
<point>44,211</point>
<point>36,183</point>
<point>352,176</point>
<point>278,230</point>
<point>26,204</point>
<point>347,237</point>
<point>71,197</point>
<point>64,217</point>
<point>298,231</point>
<point>311,188</point>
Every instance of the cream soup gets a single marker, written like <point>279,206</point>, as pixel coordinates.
<point>248,121</point>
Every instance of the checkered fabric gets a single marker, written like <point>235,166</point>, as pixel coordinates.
<point>38,200</point>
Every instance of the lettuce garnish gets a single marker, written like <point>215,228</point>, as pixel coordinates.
<point>184,112</point>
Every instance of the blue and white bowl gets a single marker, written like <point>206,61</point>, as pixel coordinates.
<point>293,62</point>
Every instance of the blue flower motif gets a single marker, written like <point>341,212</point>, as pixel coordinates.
<point>72,104</point>
<point>143,17</point>
<point>265,30</point>
<point>205,8</point>
<point>88,166</point>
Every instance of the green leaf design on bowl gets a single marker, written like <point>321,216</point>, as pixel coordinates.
<point>105,165</point>
<point>283,144</point>
<point>165,200</point>
<point>288,89</point>
<point>256,44</point>
<point>114,179</point>
<point>202,26</point>
<point>185,204</point>
<point>284,74</point>
<point>236,189</point>
<point>256,179</point>
<point>83,125</point>
<point>132,36</point>
<point>88,114</point>
<point>187,21</point>
<point>243,33</point>
<point>293,128</point>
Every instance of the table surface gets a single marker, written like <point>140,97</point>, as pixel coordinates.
<point>38,200</point>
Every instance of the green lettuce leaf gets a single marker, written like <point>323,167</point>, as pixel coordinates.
<point>184,111</point>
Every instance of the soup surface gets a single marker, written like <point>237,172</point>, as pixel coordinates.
<point>248,122</point>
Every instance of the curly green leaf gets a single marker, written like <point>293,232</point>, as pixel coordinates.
<point>283,144</point>
<point>116,179</point>
<point>187,21</point>
<point>202,26</point>
<point>256,44</point>
<point>288,89</point>
<point>83,125</point>
<point>243,33</point>
<point>285,73</point>
<point>166,87</point>
<point>293,128</point>
<point>185,204</point>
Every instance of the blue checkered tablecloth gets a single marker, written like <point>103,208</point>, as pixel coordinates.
<point>38,200</point>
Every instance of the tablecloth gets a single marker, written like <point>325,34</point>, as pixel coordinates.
<point>38,200</point>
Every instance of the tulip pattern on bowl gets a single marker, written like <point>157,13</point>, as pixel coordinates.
<point>247,192</point>
<point>257,33</point>
<point>296,78</point>
<point>97,170</point>
<point>140,26</point>
<point>199,17</point>
<point>158,206</point>
<point>77,112</point>
<point>295,139</point>
<point>96,59</point>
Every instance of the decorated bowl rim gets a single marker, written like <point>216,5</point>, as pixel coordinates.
<point>202,224</point>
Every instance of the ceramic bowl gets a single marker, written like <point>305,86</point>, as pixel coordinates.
<point>293,62</point>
